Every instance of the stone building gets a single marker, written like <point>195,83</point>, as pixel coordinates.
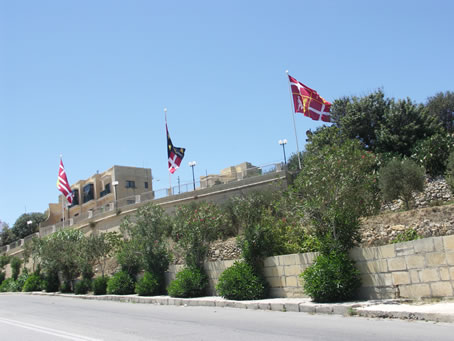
<point>102,191</point>
<point>229,174</point>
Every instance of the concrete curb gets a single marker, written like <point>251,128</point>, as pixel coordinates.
<point>282,305</point>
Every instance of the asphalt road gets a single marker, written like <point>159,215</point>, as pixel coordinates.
<point>25,317</point>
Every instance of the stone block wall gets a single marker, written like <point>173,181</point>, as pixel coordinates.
<point>281,272</point>
<point>417,269</point>
<point>421,268</point>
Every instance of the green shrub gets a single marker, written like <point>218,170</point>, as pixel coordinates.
<point>51,282</point>
<point>406,236</point>
<point>257,242</point>
<point>189,282</point>
<point>332,278</point>
<point>148,285</point>
<point>336,187</point>
<point>148,232</point>
<point>2,277</point>
<point>432,153</point>
<point>120,284</point>
<point>129,257</point>
<point>450,172</point>
<point>399,179</point>
<point>82,287</point>
<point>4,260</point>
<point>196,226</point>
<point>248,210</point>
<point>8,285</point>
<point>34,282</point>
<point>65,287</point>
<point>21,280</point>
<point>239,282</point>
<point>15,267</point>
<point>100,285</point>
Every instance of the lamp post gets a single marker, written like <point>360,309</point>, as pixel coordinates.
<point>29,222</point>
<point>283,143</point>
<point>192,164</point>
<point>115,184</point>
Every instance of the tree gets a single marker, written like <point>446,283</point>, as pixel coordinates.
<point>336,187</point>
<point>32,250</point>
<point>383,125</point>
<point>7,235</point>
<point>399,179</point>
<point>59,253</point>
<point>99,248</point>
<point>433,152</point>
<point>195,227</point>
<point>403,125</point>
<point>145,241</point>
<point>95,250</point>
<point>21,228</point>
<point>442,106</point>
<point>360,117</point>
<point>15,267</point>
<point>450,171</point>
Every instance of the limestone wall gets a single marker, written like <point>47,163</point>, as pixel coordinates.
<point>422,268</point>
<point>416,269</point>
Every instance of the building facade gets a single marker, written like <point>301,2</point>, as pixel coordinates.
<point>229,174</point>
<point>102,191</point>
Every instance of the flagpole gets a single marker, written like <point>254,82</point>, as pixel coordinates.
<point>170,174</point>
<point>294,124</point>
<point>62,202</point>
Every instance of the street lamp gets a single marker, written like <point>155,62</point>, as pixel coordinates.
<point>115,184</point>
<point>192,164</point>
<point>29,222</point>
<point>283,143</point>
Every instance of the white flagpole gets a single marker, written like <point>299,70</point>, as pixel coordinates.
<point>294,124</point>
<point>170,174</point>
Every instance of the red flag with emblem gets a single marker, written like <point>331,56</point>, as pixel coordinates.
<point>63,184</point>
<point>308,102</point>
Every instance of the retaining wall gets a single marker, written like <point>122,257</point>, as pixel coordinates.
<point>418,269</point>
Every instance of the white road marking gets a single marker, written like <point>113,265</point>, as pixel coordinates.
<point>49,331</point>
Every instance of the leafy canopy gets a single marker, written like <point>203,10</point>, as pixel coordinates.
<point>21,228</point>
<point>145,245</point>
<point>399,179</point>
<point>336,187</point>
<point>384,125</point>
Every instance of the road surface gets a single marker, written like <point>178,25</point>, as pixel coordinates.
<point>26,317</point>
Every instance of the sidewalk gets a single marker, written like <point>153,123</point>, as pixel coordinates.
<point>403,309</point>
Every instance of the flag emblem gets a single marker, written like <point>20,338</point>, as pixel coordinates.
<point>175,154</point>
<point>63,185</point>
<point>308,102</point>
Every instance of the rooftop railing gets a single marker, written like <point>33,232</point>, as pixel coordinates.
<point>129,202</point>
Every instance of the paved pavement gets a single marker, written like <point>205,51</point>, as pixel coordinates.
<point>441,311</point>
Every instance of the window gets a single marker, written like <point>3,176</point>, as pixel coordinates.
<point>130,184</point>
<point>75,198</point>
<point>130,202</point>
<point>106,190</point>
<point>146,184</point>
<point>89,192</point>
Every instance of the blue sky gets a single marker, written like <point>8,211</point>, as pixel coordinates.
<point>90,80</point>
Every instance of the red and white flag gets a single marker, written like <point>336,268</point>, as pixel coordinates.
<point>308,102</point>
<point>63,184</point>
